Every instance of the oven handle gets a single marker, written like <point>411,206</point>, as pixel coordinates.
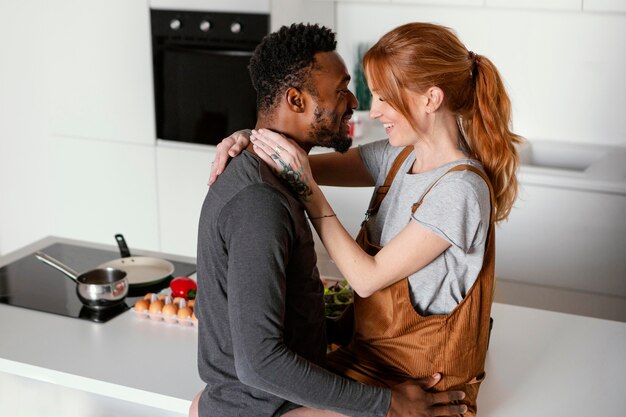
<point>207,51</point>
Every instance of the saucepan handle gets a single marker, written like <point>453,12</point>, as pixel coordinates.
<point>56,264</point>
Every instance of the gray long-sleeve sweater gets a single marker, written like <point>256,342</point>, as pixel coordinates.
<point>262,340</point>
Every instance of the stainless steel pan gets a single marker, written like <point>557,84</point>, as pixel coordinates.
<point>99,288</point>
<point>140,270</point>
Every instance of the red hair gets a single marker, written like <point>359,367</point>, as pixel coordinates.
<point>417,56</point>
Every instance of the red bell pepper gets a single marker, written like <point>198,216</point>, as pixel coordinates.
<point>184,287</point>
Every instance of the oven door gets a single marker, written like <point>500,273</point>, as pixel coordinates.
<point>202,95</point>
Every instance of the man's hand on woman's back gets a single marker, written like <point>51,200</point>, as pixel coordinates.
<point>411,399</point>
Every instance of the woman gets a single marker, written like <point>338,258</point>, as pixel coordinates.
<point>422,267</point>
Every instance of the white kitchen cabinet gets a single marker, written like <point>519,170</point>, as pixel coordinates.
<point>248,6</point>
<point>23,141</point>
<point>98,65</point>
<point>100,188</point>
<point>350,204</point>
<point>564,238</point>
<point>604,6</point>
<point>443,2</point>
<point>572,5</point>
<point>182,175</point>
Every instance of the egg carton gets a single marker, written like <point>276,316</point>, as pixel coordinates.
<point>170,319</point>
<point>160,317</point>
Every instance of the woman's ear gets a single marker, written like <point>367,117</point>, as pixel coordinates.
<point>434,97</point>
<point>295,100</point>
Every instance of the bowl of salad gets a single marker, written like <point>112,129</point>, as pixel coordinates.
<point>337,297</point>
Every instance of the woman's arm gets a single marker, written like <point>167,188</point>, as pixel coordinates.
<point>412,249</point>
<point>341,170</point>
<point>332,168</point>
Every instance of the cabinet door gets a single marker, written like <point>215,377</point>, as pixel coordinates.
<point>564,238</point>
<point>618,6</point>
<point>98,68</point>
<point>23,144</point>
<point>100,188</point>
<point>183,173</point>
<point>350,204</point>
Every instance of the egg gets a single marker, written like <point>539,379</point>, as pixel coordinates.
<point>191,303</point>
<point>169,312</point>
<point>148,297</point>
<point>194,318</point>
<point>184,316</point>
<point>141,308</point>
<point>155,310</point>
<point>178,301</point>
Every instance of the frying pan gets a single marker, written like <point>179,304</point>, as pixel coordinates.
<point>140,270</point>
<point>98,288</point>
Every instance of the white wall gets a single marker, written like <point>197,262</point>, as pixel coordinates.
<point>286,12</point>
<point>564,68</point>
<point>23,141</point>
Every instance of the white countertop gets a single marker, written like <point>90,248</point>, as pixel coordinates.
<point>539,363</point>
<point>547,364</point>
<point>131,359</point>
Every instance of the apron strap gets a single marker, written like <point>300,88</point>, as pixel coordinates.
<point>382,190</point>
<point>480,173</point>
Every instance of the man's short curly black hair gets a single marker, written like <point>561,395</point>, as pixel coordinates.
<point>285,58</point>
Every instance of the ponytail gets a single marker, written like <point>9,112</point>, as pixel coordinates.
<point>488,134</point>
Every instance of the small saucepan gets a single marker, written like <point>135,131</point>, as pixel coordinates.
<point>140,270</point>
<point>98,288</point>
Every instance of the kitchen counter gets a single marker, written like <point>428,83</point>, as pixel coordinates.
<point>139,361</point>
<point>540,363</point>
<point>135,360</point>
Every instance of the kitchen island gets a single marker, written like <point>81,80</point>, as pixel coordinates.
<point>540,363</point>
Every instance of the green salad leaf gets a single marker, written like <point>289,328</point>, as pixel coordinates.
<point>337,298</point>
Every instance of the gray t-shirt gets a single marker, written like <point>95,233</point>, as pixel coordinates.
<point>262,341</point>
<point>457,209</point>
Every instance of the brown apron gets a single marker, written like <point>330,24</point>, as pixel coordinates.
<point>393,343</point>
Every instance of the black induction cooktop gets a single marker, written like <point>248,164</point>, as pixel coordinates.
<point>29,283</point>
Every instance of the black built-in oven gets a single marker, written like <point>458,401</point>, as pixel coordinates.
<point>201,82</point>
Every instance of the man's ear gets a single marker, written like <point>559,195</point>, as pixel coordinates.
<point>295,100</point>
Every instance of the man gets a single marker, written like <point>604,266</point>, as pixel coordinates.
<point>262,339</point>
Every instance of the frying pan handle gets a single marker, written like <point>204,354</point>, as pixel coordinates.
<point>121,243</point>
<point>56,264</point>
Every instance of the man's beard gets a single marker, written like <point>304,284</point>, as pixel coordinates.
<point>325,137</point>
